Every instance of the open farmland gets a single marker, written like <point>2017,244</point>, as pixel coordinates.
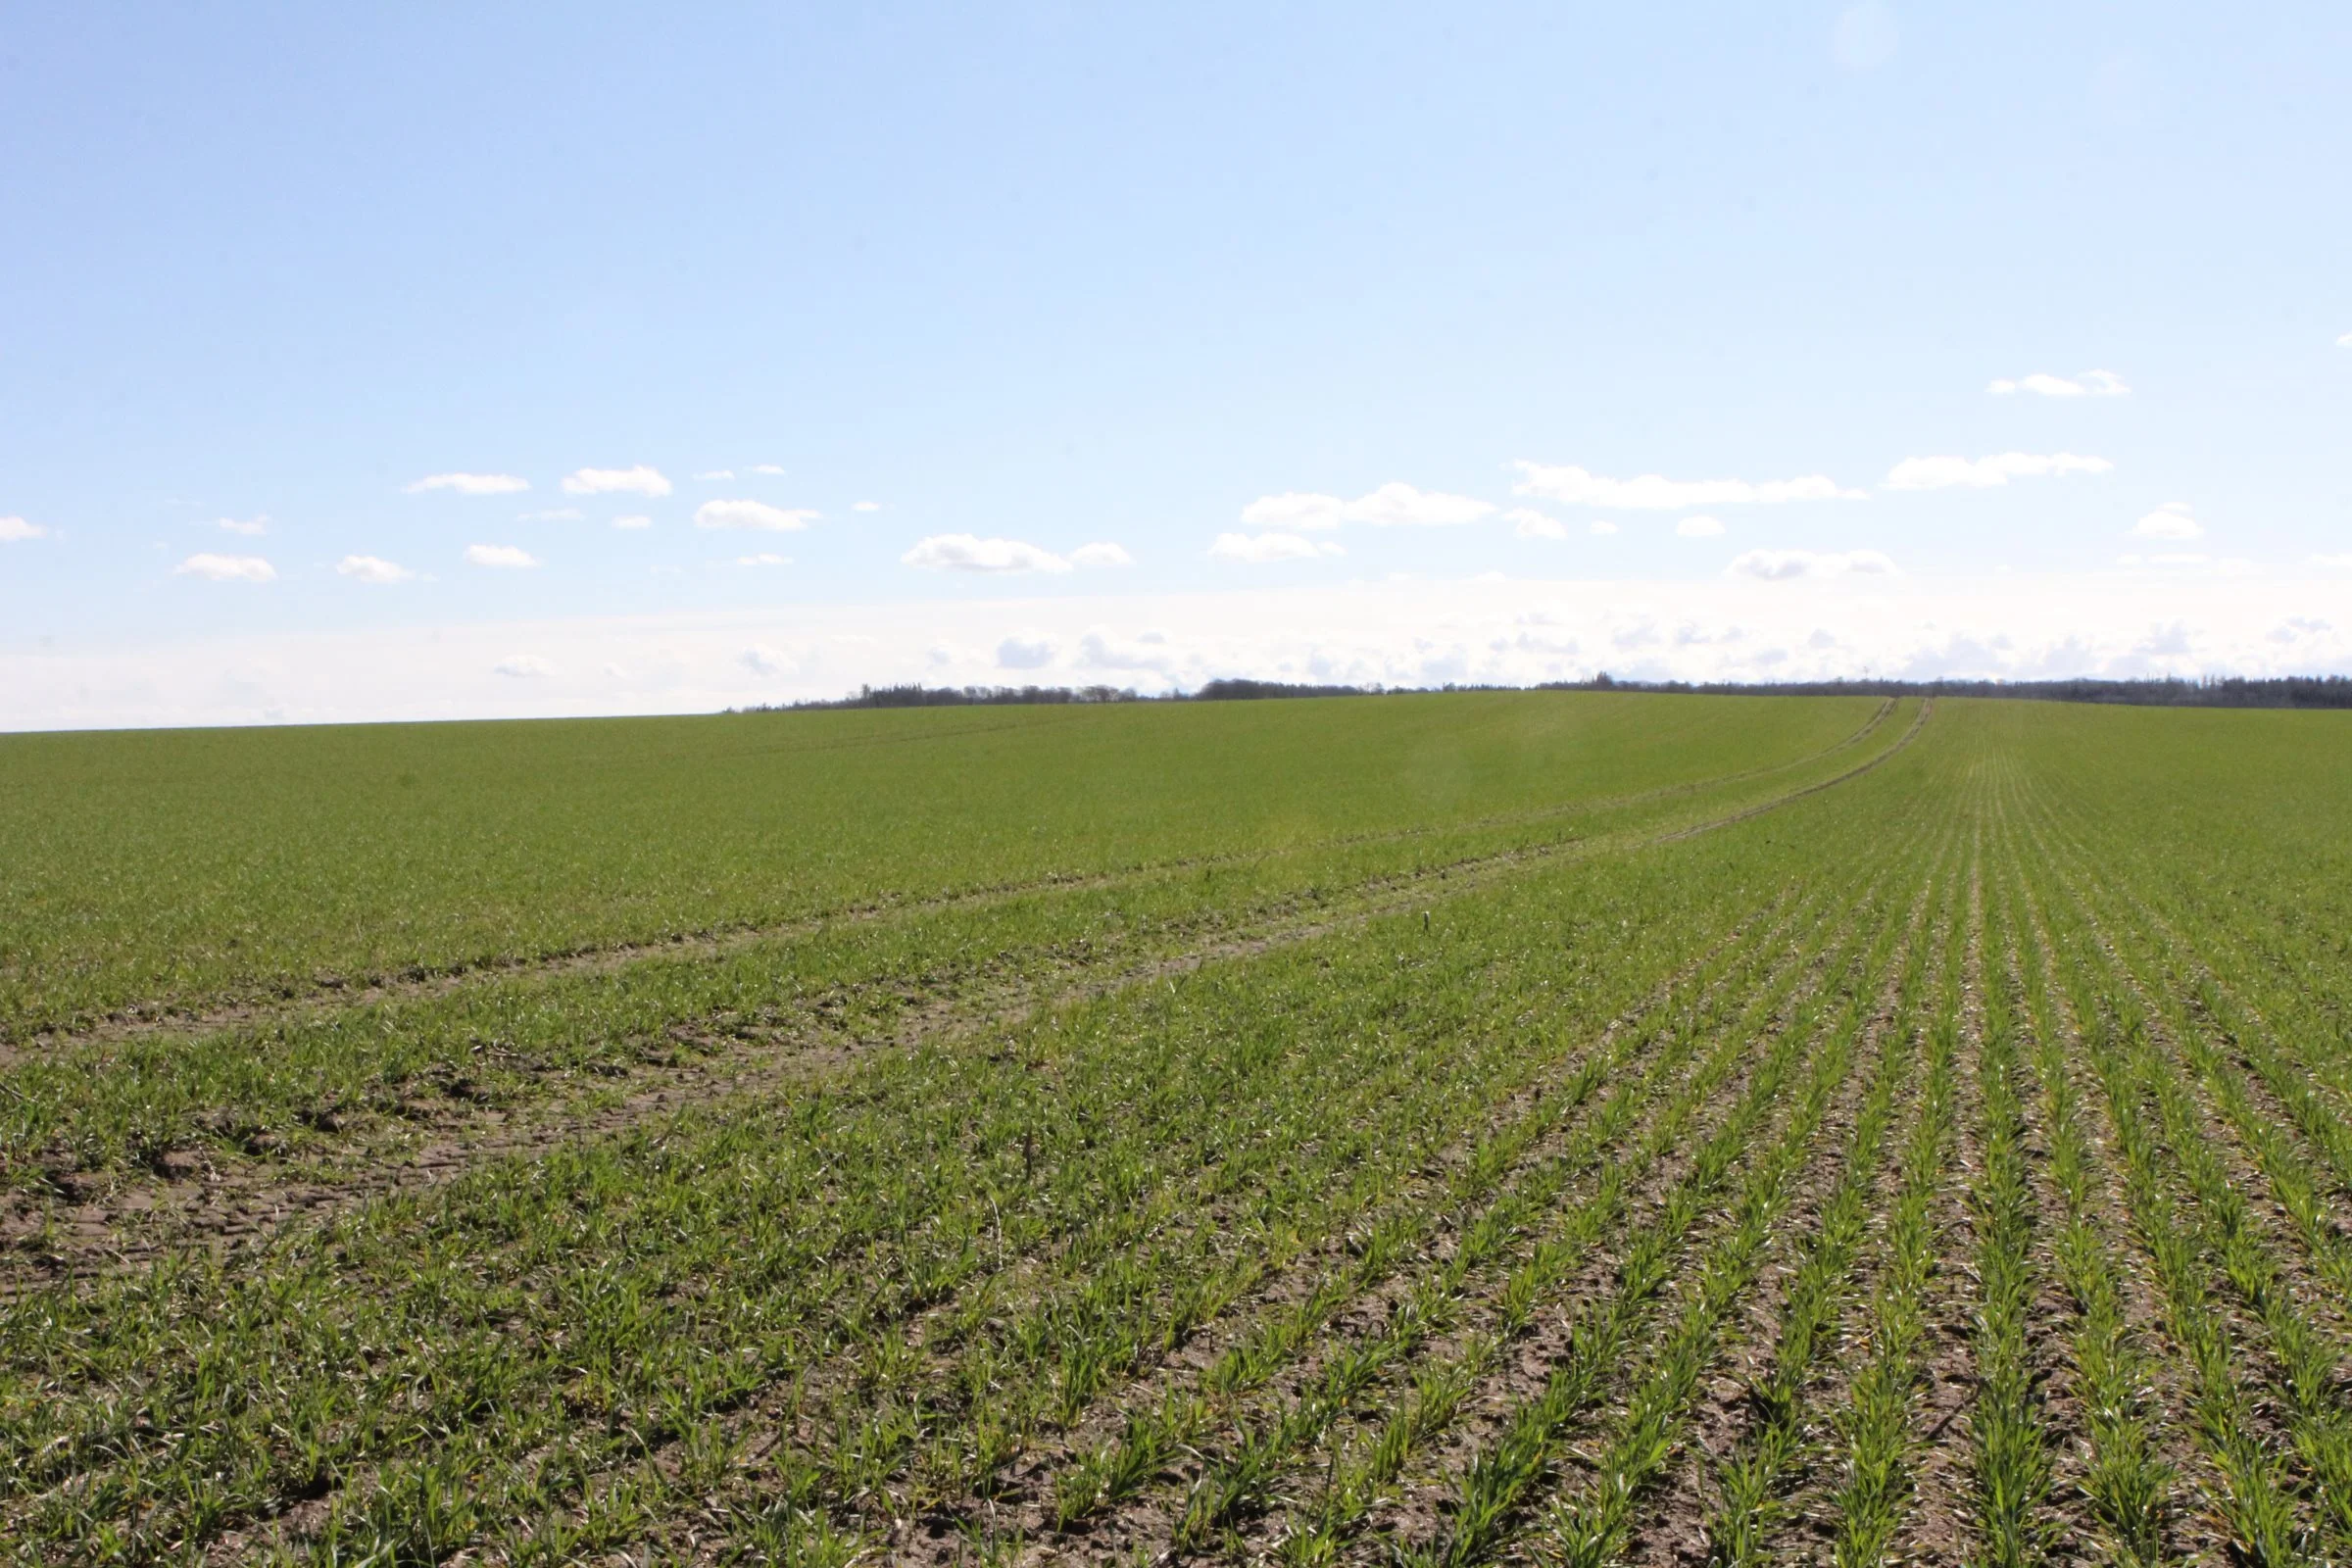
<point>1570,1128</point>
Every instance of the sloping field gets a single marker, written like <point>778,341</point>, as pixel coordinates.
<point>1583,1129</point>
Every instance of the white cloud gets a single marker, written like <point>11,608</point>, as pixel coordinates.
<point>2089,384</point>
<point>763,559</point>
<point>1266,547</point>
<point>2344,342</point>
<point>962,552</point>
<point>552,515</point>
<point>250,527</point>
<point>1864,37</point>
<point>761,659</point>
<point>1392,506</point>
<point>226,569</point>
<point>639,480</point>
<point>1651,492</point>
<point>772,468</point>
<point>1717,626</point>
<point>1102,649</point>
<point>752,515</point>
<point>1100,555</point>
<point>1943,474</point>
<point>1400,506</point>
<point>1527,524</point>
<point>1782,565</point>
<point>2172,520</point>
<point>1294,508</point>
<point>866,505</point>
<point>716,473</point>
<point>13,529</point>
<point>635,519</point>
<point>372,568</point>
<point>1601,525</point>
<point>1699,528</point>
<point>2334,563</point>
<point>523,667</point>
<point>471,484</point>
<point>1027,651</point>
<point>505,555</point>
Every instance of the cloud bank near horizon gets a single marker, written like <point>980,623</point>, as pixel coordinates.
<point>1770,615</point>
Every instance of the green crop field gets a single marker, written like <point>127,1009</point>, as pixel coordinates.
<point>1514,1127</point>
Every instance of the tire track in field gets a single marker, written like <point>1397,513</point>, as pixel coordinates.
<point>296,1003</point>
<point>50,1240</point>
<point>361,1480</point>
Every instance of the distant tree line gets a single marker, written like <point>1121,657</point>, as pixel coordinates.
<point>2213,691</point>
<point>917,696</point>
<point>2209,691</point>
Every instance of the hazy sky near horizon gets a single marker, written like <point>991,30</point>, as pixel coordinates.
<point>439,360</point>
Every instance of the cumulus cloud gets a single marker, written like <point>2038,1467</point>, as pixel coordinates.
<point>963,551</point>
<point>14,529</point>
<point>761,659</point>
<point>1699,528</point>
<point>2172,520</point>
<point>635,519</point>
<point>1026,650</point>
<point>250,527</point>
<point>1400,506</point>
<point>1265,547</point>
<point>523,667</point>
<point>226,569</point>
<point>503,555</point>
<point>752,515</point>
<point>2344,342</point>
<point>372,568</point>
<point>471,484</point>
<point>1100,555</point>
<point>552,515</point>
<point>1944,474</point>
<point>1527,524</point>
<point>774,470</point>
<point>1784,565</point>
<point>763,559</point>
<point>1294,508</point>
<point>639,480</point>
<point>1393,506</point>
<point>1651,492</point>
<point>866,505</point>
<point>2089,384</point>
<point>1102,649</point>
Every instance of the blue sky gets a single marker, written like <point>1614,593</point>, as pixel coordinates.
<point>1029,278</point>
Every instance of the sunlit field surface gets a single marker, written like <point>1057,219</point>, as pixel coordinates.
<point>1562,1128</point>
